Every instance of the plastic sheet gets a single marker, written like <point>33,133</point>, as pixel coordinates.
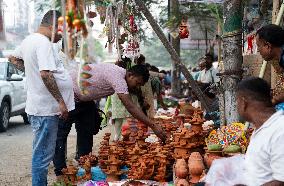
<point>227,172</point>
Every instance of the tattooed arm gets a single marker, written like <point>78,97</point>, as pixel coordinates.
<point>18,63</point>
<point>51,85</point>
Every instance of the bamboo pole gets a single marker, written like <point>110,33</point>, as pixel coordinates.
<point>173,53</point>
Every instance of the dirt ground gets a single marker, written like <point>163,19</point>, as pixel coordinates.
<point>16,148</point>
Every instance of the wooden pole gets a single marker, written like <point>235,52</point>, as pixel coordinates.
<point>173,53</point>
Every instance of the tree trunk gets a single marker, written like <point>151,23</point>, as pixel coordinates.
<point>232,46</point>
<point>176,82</point>
<point>173,53</point>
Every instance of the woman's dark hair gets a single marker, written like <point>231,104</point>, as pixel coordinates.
<point>154,69</point>
<point>121,64</point>
<point>256,89</point>
<point>140,60</point>
<point>47,19</point>
<point>140,70</point>
<point>273,34</point>
<point>209,56</point>
<point>125,62</point>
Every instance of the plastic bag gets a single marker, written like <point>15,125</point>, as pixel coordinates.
<point>227,172</point>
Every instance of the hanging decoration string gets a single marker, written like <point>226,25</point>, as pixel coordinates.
<point>65,41</point>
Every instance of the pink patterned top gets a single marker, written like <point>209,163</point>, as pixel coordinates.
<point>104,80</point>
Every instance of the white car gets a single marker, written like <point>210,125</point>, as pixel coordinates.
<point>13,93</point>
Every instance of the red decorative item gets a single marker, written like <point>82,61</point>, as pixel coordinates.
<point>250,43</point>
<point>183,30</point>
<point>133,26</point>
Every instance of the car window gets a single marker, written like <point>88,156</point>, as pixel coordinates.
<point>2,70</point>
<point>15,70</point>
<point>11,70</point>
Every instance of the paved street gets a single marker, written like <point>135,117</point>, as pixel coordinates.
<point>15,153</point>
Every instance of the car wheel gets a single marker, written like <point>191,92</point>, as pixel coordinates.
<point>25,118</point>
<point>4,116</point>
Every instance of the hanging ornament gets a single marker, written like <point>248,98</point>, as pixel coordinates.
<point>250,40</point>
<point>91,14</point>
<point>75,24</point>
<point>183,30</point>
<point>174,33</point>
<point>132,24</point>
<point>132,48</point>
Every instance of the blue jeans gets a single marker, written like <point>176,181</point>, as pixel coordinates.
<point>45,133</point>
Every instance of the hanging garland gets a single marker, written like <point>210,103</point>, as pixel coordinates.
<point>75,24</point>
<point>74,29</point>
<point>120,26</point>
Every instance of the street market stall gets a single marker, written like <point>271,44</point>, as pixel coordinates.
<point>140,158</point>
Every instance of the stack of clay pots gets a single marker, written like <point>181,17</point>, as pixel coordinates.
<point>91,158</point>
<point>196,121</point>
<point>114,162</point>
<point>103,151</point>
<point>189,173</point>
<point>153,163</point>
<point>185,141</point>
<point>70,175</point>
<point>111,158</point>
<point>169,125</point>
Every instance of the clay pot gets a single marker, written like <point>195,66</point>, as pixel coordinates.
<point>181,172</point>
<point>181,169</point>
<point>181,162</point>
<point>112,178</point>
<point>182,182</point>
<point>211,156</point>
<point>196,166</point>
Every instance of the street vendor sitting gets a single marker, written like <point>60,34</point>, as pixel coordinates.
<point>264,159</point>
